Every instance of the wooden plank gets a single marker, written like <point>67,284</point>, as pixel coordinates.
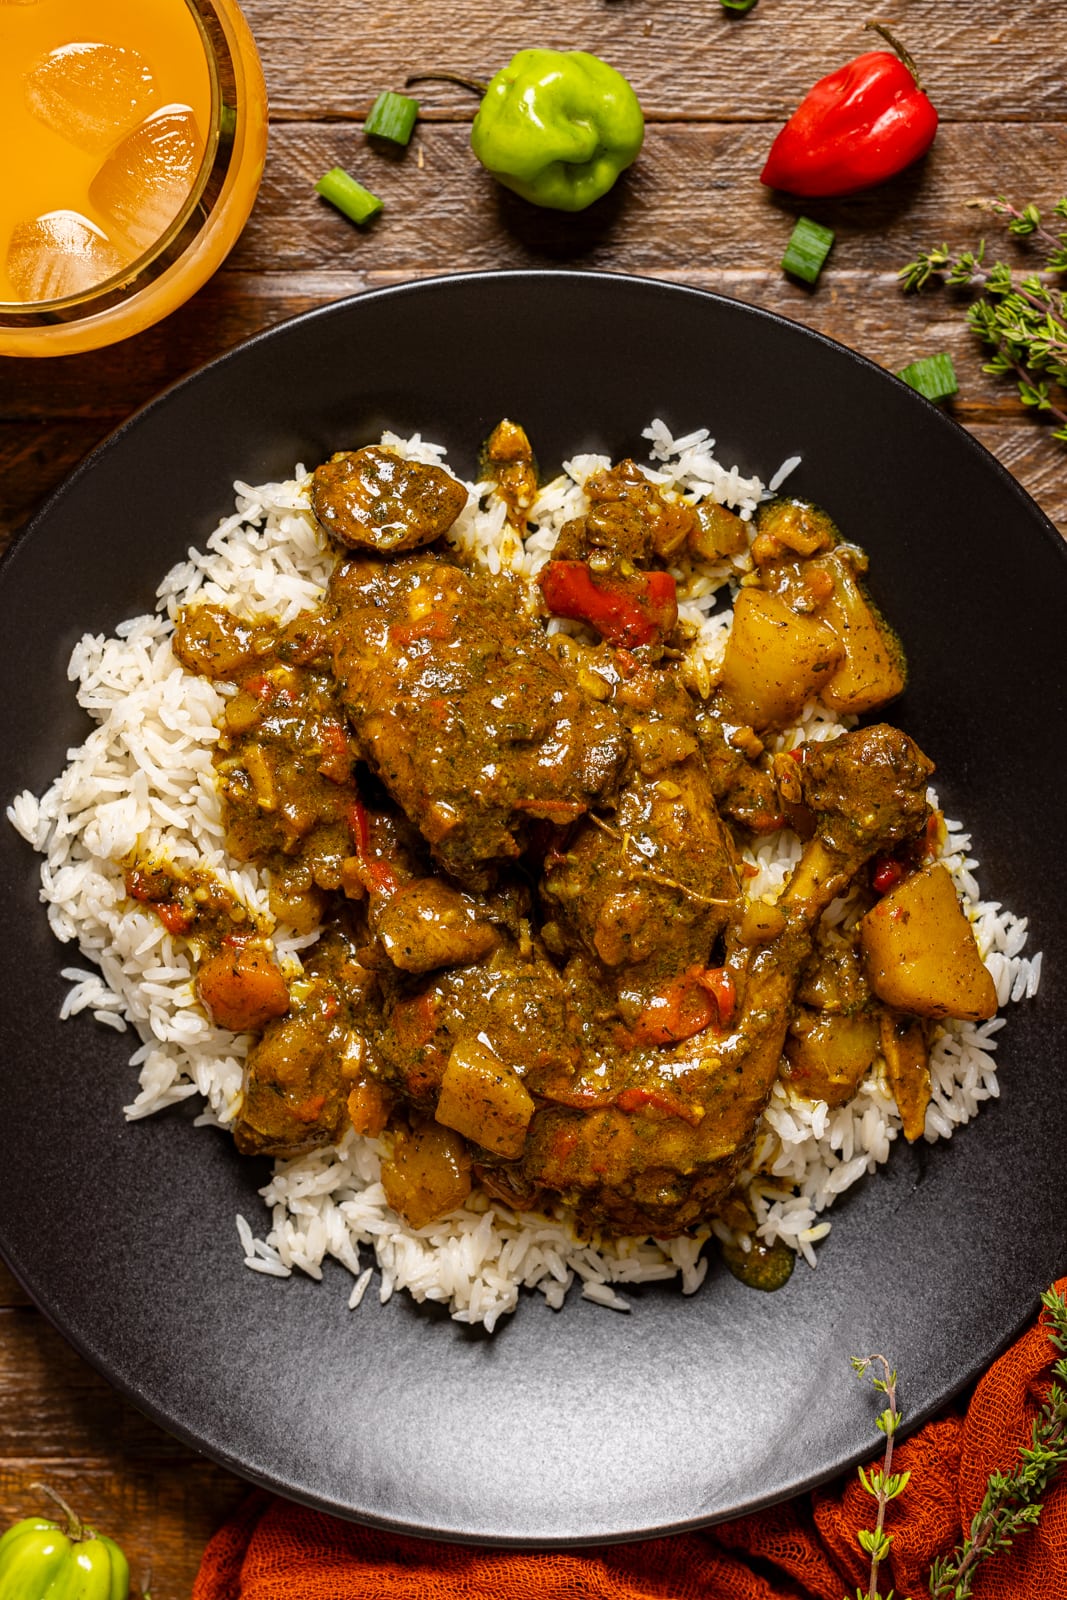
<point>1023,446</point>
<point>161,1513</point>
<point>692,199</point>
<point>54,1405</point>
<point>715,90</point>
<point>692,209</point>
<point>868,314</point>
<point>11,1292</point>
<point>979,62</point>
<point>62,1424</point>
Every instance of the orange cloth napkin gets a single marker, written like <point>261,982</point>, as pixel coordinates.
<point>805,1549</point>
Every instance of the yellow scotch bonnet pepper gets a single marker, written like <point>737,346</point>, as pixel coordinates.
<point>558,127</point>
<point>44,1560</point>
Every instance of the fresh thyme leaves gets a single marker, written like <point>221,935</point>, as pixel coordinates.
<point>1012,1500</point>
<point>880,1482</point>
<point>1023,317</point>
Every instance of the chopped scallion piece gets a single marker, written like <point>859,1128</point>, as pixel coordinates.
<point>807,249</point>
<point>392,117</point>
<point>933,376</point>
<point>738,7</point>
<point>341,190</point>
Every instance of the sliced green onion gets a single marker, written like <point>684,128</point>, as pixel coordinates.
<point>738,7</point>
<point>392,117</point>
<point>341,190</point>
<point>933,376</point>
<point>808,248</point>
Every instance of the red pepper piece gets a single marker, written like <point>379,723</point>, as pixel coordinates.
<point>360,828</point>
<point>931,835</point>
<point>719,983</point>
<point>259,685</point>
<point>700,997</point>
<point>435,625</point>
<point>377,875</point>
<point>632,1100</point>
<point>157,890</point>
<point>857,127</point>
<point>679,1012</point>
<point>336,763</point>
<point>886,873</point>
<point>625,611</point>
<point>309,1110</point>
<point>174,916</point>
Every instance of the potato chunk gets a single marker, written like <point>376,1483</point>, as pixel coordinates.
<point>428,924</point>
<point>428,1174</point>
<point>920,951</point>
<point>872,671</point>
<point>775,659</point>
<point>716,532</point>
<point>829,1054</point>
<point>907,1069</point>
<point>484,1099</point>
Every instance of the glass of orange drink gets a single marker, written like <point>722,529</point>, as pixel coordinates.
<point>132,139</point>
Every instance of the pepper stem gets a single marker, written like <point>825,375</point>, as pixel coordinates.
<point>898,49</point>
<point>75,1527</point>
<point>476,84</point>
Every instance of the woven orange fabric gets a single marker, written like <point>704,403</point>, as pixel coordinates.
<point>803,1550</point>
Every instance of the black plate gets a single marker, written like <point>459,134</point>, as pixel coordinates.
<point>585,1425</point>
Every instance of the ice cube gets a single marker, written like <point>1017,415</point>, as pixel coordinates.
<point>144,183</point>
<point>59,254</point>
<point>92,94</point>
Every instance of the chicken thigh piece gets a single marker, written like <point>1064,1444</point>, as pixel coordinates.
<point>648,892</point>
<point>463,710</point>
<point>651,1141</point>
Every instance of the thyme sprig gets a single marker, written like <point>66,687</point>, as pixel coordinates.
<point>1023,318</point>
<point>882,1483</point>
<point>1012,1500</point>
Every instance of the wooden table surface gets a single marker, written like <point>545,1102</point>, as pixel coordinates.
<point>715,90</point>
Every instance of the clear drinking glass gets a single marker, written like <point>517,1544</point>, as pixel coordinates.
<point>135,171</point>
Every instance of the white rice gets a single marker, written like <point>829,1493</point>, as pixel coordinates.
<point>143,780</point>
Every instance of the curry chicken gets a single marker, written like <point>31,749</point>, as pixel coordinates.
<point>537,969</point>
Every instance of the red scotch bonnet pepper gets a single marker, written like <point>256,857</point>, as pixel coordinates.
<point>857,127</point>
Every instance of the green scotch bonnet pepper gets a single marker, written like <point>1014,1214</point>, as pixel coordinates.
<point>42,1560</point>
<point>558,127</point>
